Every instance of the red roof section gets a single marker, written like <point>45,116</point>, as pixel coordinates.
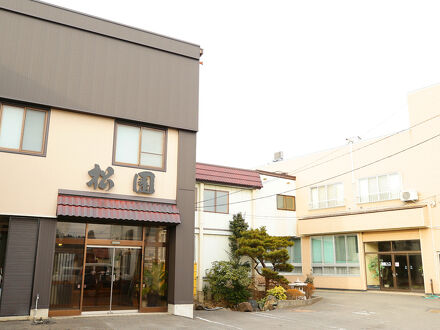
<point>107,208</point>
<point>228,175</point>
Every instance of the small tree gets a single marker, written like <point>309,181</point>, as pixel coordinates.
<point>237,225</point>
<point>262,248</point>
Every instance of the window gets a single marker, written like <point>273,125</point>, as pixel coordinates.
<point>286,202</point>
<point>140,146</point>
<point>325,196</point>
<point>379,188</point>
<point>22,129</point>
<point>216,201</point>
<point>295,255</point>
<point>335,255</point>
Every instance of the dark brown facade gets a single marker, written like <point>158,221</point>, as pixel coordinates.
<point>67,60</point>
<point>58,59</point>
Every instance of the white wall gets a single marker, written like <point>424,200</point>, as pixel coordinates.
<point>277,222</point>
<point>212,229</point>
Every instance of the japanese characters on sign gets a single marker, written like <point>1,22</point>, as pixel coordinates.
<point>143,182</point>
<point>100,178</point>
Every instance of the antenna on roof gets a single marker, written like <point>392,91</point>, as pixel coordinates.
<point>278,156</point>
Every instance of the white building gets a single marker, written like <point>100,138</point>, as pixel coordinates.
<point>222,192</point>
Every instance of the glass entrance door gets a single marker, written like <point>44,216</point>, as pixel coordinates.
<point>111,278</point>
<point>386,271</point>
<point>401,271</point>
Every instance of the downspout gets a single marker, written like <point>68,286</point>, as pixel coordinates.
<point>200,206</point>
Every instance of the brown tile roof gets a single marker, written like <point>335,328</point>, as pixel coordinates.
<point>228,175</point>
<point>108,208</point>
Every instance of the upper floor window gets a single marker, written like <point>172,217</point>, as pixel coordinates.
<point>325,196</point>
<point>216,201</point>
<point>335,255</point>
<point>379,188</point>
<point>140,146</point>
<point>22,129</point>
<point>286,202</point>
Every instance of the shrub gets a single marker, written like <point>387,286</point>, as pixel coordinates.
<point>309,290</point>
<point>294,294</point>
<point>278,292</point>
<point>229,282</point>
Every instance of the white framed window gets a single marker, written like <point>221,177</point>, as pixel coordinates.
<point>325,196</point>
<point>295,256</point>
<point>380,188</point>
<point>335,255</point>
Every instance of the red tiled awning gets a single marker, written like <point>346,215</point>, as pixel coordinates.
<point>107,208</point>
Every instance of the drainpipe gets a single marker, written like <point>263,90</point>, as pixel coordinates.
<point>201,197</point>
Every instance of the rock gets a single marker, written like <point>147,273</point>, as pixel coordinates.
<point>199,307</point>
<point>245,307</point>
<point>254,304</point>
<point>270,303</point>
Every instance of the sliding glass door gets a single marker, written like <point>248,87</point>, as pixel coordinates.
<point>111,278</point>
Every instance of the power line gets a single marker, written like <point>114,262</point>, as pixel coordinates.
<point>309,165</point>
<point>339,175</point>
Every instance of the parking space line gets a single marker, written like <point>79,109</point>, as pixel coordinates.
<point>223,324</point>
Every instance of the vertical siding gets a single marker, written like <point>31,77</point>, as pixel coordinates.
<point>19,266</point>
<point>68,68</point>
<point>44,262</point>
<point>181,274</point>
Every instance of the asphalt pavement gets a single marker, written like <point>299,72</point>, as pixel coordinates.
<point>337,310</point>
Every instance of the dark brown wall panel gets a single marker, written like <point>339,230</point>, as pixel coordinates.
<point>19,266</point>
<point>64,67</point>
<point>44,263</point>
<point>181,276</point>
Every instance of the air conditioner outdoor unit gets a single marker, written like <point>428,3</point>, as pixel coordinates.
<point>409,196</point>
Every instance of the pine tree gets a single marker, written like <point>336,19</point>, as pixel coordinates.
<point>237,225</point>
<point>263,249</point>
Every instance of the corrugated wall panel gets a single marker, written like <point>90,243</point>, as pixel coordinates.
<point>44,262</point>
<point>63,67</point>
<point>19,266</point>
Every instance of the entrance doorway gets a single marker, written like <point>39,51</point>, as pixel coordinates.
<point>108,267</point>
<point>401,271</point>
<point>394,265</point>
<point>111,278</point>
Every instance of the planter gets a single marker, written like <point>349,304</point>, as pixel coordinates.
<point>297,303</point>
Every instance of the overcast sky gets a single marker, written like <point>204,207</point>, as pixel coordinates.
<point>293,76</point>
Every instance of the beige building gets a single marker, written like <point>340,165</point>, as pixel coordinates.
<point>368,212</point>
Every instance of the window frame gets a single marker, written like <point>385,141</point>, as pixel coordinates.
<point>296,265</point>
<point>379,193</point>
<point>163,168</point>
<point>25,107</point>
<point>326,201</point>
<point>284,202</point>
<point>215,201</point>
<point>335,265</point>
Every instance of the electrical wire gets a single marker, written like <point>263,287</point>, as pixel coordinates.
<point>309,166</point>
<point>338,175</point>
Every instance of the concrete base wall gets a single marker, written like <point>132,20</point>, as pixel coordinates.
<point>185,310</point>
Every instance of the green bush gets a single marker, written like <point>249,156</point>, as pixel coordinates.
<point>278,292</point>
<point>229,282</point>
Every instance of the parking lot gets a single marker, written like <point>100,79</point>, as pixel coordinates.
<point>338,310</point>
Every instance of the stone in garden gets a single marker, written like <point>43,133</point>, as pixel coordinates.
<point>270,303</point>
<point>254,304</point>
<point>245,307</point>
